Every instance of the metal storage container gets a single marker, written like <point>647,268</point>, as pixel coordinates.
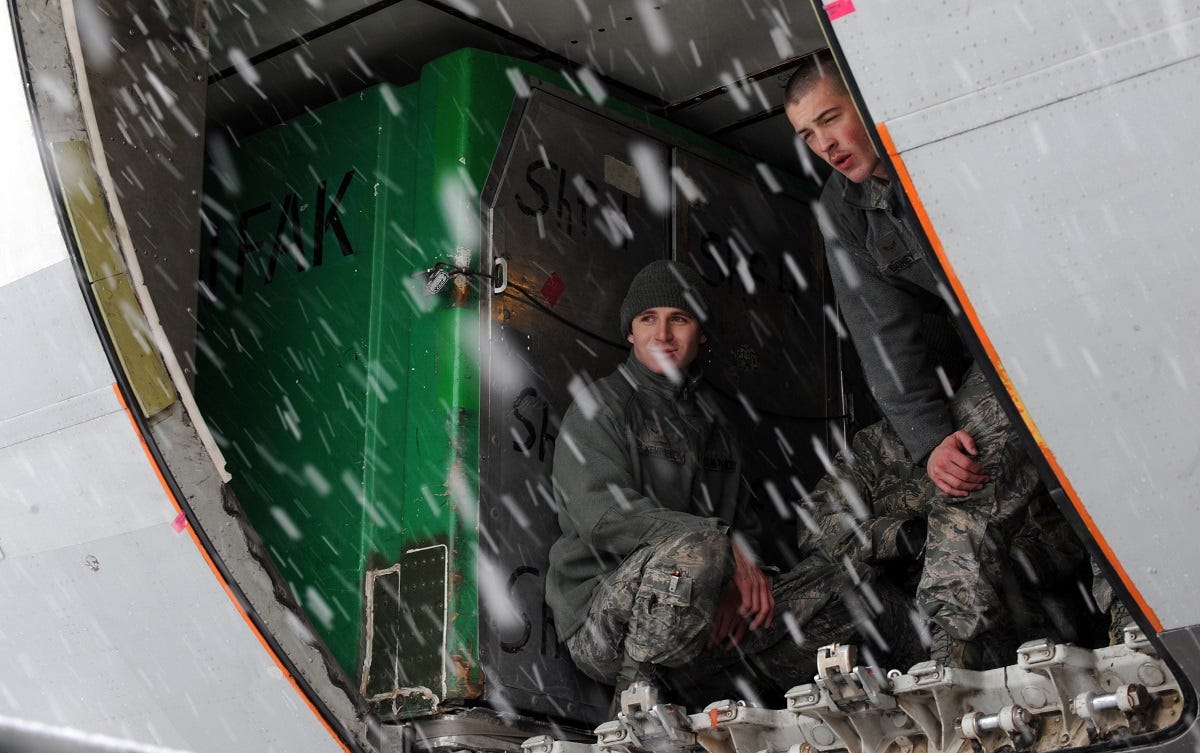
<point>392,446</point>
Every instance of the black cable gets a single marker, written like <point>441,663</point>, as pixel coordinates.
<point>562,319</point>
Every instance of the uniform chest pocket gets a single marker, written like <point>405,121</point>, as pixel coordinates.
<point>891,253</point>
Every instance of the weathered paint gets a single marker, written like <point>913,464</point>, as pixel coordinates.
<point>299,370</point>
<point>348,399</point>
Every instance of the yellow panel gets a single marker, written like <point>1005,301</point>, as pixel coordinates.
<point>86,210</point>
<point>105,269</point>
<point>134,343</point>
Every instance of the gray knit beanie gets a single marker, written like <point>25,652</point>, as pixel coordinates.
<point>664,283</point>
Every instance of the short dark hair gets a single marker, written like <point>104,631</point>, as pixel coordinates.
<point>812,69</point>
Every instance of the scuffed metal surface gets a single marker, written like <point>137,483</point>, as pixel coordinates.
<point>409,702</point>
<point>468,675</point>
<point>1055,696</point>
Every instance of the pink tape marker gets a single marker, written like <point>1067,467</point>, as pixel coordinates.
<point>835,9</point>
<point>179,523</point>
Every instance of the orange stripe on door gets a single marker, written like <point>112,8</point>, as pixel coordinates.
<point>989,349</point>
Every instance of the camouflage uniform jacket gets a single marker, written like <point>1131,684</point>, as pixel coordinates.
<point>895,309</point>
<point>654,459</point>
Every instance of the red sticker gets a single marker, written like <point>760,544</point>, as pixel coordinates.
<point>552,288</point>
<point>179,523</point>
<point>838,8</point>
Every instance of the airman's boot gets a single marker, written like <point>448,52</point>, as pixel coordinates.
<point>631,671</point>
<point>952,652</point>
<point>1119,617</point>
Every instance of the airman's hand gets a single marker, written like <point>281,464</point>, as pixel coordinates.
<point>727,624</point>
<point>757,603</point>
<point>952,468</point>
<point>746,602</point>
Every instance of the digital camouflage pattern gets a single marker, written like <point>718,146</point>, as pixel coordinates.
<point>992,563</point>
<point>658,607</point>
<point>646,609</point>
<point>860,508</point>
<point>966,552</point>
<point>656,459</point>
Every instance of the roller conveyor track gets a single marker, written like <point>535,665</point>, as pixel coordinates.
<point>1055,696</point>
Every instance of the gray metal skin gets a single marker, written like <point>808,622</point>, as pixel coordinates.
<point>1057,179</point>
<point>164,653</point>
<point>562,189</point>
<point>1052,149</point>
<point>60,415</point>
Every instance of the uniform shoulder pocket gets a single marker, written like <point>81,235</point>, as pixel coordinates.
<point>668,587</point>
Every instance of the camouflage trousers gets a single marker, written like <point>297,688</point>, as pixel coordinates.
<point>859,509</point>
<point>658,605</point>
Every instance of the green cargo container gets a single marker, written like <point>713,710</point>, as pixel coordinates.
<point>392,445</point>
